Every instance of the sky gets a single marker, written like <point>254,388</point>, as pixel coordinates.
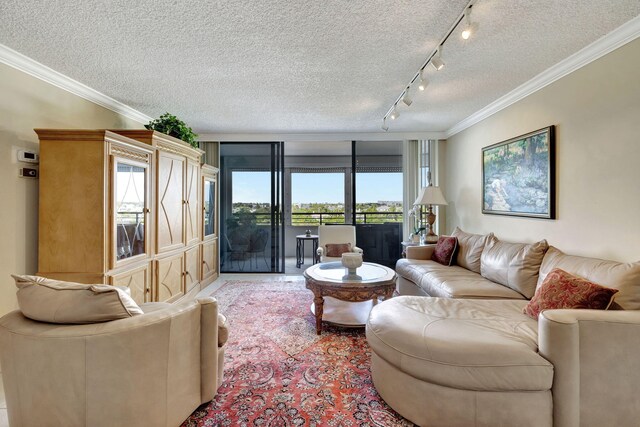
<point>254,187</point>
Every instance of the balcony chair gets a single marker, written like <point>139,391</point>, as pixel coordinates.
<point>335,234</point>
<point>258,245</point>
<point>236,252</point>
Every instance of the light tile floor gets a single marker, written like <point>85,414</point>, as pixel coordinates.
<point>4,421</point>
<point>289,266</point>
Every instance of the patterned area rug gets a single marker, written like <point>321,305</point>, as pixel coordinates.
<point>279,373</point>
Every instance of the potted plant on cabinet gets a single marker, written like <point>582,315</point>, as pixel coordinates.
<point>173,126</point>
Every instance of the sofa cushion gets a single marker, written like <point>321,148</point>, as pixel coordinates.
<point>438,280</point>
<point>464,344</point>
<point>56,301</point>
<point>445,250</point>
<point>337,249</point>
<point>515,265</point>
<point>470,248</point>
<point>622,276</point>
<point>564,290</point>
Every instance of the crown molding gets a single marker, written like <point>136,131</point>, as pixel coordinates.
<point>27,65</point>
<point>604,45</point>
<point>313,137</point>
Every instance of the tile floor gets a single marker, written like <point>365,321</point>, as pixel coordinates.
<point>289,266</point>
<point>4,422</point>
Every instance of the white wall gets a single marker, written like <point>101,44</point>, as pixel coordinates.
<point>596,111</point>
<point>27,103</point>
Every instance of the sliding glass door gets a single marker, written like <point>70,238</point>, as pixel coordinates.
<point>377,199</point>
<point>251,191</point>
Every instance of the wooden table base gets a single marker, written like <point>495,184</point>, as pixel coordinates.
<point>345,314</point>
<point>353,297</point>
<point>347,294</point>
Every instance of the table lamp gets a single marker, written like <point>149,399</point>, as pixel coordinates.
<point>430,196</point>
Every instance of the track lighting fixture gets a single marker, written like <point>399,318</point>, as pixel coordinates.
<point>423,81</point>
<point>437,61</point>
<point>406,98</point>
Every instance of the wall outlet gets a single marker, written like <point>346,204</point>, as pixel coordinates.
<point>28,172</point>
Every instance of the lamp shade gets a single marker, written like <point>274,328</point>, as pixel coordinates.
<point>430,196</point>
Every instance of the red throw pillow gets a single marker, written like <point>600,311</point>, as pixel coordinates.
<point>564,290</point>
<point>445,250</point>
<point>336,249</point>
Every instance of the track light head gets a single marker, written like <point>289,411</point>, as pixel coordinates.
<point>394,113</point>
<point>437,61</point>
<point>406,98</point>
<point>469,27</point>
<point>385,126</point>
<point>423,81</point>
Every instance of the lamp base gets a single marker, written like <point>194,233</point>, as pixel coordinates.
<point>431,237</point>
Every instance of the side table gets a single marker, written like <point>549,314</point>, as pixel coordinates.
<point>300,239</point>
<point>406,244</point>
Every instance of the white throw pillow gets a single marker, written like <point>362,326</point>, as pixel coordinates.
<point>55,301</point>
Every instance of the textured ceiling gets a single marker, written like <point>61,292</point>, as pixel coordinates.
<point>303,66</point>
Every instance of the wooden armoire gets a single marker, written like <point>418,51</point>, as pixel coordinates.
<point>127,208</point>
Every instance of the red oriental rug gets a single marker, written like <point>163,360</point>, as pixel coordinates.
<point>279,373</point>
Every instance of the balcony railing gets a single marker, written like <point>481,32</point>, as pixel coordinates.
<point>316,218</point>
<point>129,217</point>
<point>302,219</point>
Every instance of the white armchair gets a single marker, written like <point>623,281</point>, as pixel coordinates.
<point>152,369</point>
<point>335,234</point>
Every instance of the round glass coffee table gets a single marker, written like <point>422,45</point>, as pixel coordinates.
<point>345,299</point>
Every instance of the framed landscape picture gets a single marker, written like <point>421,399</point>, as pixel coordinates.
<point>518,176</point>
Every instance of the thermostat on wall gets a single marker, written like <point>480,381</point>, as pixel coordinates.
<point>28,156</point>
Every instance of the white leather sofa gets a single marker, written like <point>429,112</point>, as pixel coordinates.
<point>152,369</point>
<point>461,359</point>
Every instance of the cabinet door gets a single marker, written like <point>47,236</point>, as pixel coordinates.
<point>129,228</point>
<point>170,275</point>
<point>191,268</point>
<point>170,201</point>
<point>192,207</point>
<point>138,281</point>
<point>209,259</point>
<point>208,207</point>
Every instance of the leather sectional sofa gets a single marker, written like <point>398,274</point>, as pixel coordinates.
<point>455,349</point>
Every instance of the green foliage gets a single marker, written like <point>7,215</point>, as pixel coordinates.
<point>173,126</point>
